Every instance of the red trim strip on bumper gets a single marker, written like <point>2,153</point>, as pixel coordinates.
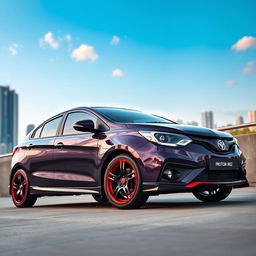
<point>195,183</point>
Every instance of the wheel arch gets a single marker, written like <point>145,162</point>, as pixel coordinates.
<point>111,155</point>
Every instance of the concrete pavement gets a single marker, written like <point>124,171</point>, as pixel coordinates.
<point>174,224</point>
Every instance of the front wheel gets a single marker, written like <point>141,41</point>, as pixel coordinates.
<point>20,190</point>
<point>213,194</point>
<point>100,198</point>
<point>123,184</point>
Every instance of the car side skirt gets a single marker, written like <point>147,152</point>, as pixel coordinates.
<point>37,190</point>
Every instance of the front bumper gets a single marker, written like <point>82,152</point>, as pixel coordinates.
<point>190,168</point>
<point>162,188</point>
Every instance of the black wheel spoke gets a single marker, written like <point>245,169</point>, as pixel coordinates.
<point>15,185</point>
<point>122,168</point>
<point>123,194</point>
<point>114,177</point>
<point>131,175</point>
<point>117,190</point>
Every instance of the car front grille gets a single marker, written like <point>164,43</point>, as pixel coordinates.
<point>212,144</point>
<point>227,175</point>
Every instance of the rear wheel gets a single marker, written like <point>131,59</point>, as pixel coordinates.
<point>123,184</point>
<point>20,190</point>
<point>213,194</point>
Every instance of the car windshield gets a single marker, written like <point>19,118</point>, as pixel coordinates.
<point>130,116</point>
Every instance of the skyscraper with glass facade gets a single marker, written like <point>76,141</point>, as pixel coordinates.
<point>207,119</point>
<point>8,119</point>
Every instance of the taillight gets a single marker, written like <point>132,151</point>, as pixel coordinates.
<point>14,150</point>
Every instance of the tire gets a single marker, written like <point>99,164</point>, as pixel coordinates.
<point>100,198</point>
<point>20,190</point>
<point>213,194</point>
<point>123,183</point>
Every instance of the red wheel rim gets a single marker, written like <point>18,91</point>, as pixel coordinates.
<point>121,181</point>
<point>19,189</point>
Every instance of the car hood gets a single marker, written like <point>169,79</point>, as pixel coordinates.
<point>184,129</point>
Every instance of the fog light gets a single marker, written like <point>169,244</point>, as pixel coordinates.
<point>168,174</point>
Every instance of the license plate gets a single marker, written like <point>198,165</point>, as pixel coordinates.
<point>223,164</point>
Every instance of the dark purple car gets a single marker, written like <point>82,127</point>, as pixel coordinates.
<point>123,156</point>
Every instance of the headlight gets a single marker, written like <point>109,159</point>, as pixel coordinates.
<point>167,139</point>
<point>235,139</point>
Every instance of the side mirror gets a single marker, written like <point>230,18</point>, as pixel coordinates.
<point>84,126</point>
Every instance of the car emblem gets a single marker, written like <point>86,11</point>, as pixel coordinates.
<point>221,145</point>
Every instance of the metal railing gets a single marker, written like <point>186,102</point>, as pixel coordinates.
<point>5,155</point>
<point>236,127</point>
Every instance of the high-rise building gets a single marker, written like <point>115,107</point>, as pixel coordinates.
<point>8,119</point>
<point>239,120</point>
<point>179,121</point>
<point>251,116</point>
<point>194,123</point>
<point>30,127</point>
<point>207,119</point>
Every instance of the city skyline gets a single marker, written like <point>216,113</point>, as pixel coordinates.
<point>8,119</point>
<point>207,119</point>
<point>175,59</point>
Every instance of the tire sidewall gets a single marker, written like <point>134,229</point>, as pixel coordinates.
<point>139,183</point>
<point>223,193</point>
<point>23,202</point>
<point>100,198</point>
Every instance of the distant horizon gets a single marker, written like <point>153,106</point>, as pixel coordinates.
<point>22,130</point>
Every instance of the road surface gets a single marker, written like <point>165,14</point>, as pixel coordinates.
<point>174,224</point>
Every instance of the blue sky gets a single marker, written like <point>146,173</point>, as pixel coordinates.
<point>174,58</point>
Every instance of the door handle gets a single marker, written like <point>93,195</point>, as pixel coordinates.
<point>59,145</point>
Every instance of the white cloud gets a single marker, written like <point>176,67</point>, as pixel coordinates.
<point>115,40</point>
<point>84,52</point>
<point>50,40</point>
<point>249,68</point>
<point>68,37</point>
<point>244,43</point>
<point>117,73</point>
<point>231,82</point>
<point>13,49</point>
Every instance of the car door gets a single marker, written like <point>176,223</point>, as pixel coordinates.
<point>39,153</point>
<point>76,154</point>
